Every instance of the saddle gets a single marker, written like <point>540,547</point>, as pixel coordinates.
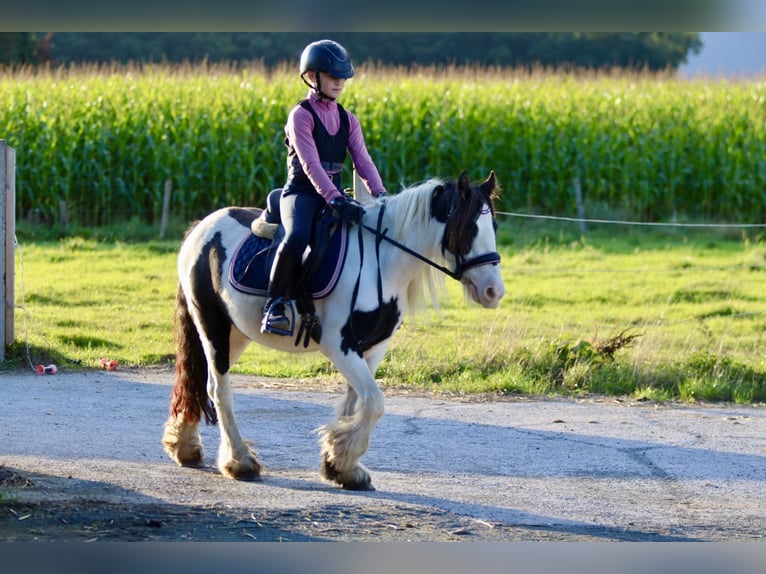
<point>321,267</point>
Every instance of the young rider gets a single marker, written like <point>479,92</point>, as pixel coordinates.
<point>318,133</point>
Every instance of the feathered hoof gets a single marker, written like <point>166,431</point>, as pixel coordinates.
<point>182,443</point>
<point>356,479</point>
<point>247,469</point>
<point>190,456</point>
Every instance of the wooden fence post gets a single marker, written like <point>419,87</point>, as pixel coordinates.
<point>580,204</point>
<point>7,238</point>
<point>165,207</point>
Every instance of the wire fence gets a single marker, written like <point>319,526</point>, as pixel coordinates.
<point>636,223</point>
<point>558,327</point>
<point>686,269</point>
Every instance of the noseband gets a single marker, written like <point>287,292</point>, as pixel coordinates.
<point>463,265</point>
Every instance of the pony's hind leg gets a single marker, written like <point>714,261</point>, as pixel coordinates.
<point>182,441</point>
<point>236,458</point>
<point>188,401</point>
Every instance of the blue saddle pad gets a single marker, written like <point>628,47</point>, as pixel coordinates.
<point>248,272</point>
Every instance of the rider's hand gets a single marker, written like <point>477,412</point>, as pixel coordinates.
<point>349,210</point>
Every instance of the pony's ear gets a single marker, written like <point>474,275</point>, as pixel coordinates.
<point>489,185</point>
<point>463,183</point>
<point>463,186</point>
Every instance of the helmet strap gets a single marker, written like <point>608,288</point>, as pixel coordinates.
<point>305,81</point>
<point>318,88</point>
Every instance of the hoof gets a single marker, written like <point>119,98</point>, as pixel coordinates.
<point>191,457</point>
<point>365,486</point>
<point>253,476</point>
<point>239,472</point>
<point>182,443</point>
<point>357,479</point>
<point>247,469</point>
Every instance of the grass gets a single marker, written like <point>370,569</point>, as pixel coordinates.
<point>653,314</point>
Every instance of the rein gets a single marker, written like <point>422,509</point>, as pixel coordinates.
<point>461,265</point>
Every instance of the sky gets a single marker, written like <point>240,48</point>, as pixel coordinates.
<point>729,55</point>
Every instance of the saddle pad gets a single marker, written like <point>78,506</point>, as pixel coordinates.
<point>248,272</point>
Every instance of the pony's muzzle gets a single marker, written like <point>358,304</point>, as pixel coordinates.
<point>485,285</point>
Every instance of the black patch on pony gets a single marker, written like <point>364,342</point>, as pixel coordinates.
<point>244,215</point>
<point>365,329</point>
<point>440,201</point>
<point>206,285</point>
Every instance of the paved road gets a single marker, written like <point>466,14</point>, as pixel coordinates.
<point>444,469</point>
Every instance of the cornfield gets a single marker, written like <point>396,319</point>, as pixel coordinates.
<point>103,141</point>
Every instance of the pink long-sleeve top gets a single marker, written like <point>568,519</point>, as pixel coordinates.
<point>300,124</point>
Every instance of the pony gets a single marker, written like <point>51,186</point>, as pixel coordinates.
<point>405,244</point>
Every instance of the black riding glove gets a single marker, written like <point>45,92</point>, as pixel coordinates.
<point>349,210</point>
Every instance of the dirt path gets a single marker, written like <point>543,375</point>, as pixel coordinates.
<point>81,459</point>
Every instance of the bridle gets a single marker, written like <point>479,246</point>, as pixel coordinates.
<point>461,264</point>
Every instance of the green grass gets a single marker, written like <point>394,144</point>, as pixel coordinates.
<point>658,314</point>
<point>83,300</point>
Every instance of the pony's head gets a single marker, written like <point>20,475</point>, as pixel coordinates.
<point>452,222</point>
<point>469,240</point>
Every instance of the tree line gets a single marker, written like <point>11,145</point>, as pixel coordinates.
<point>652,51</point>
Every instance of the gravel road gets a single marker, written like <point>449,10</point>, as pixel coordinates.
<point>81,460</point>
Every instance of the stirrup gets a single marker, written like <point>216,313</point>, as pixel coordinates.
<point>274,325</point>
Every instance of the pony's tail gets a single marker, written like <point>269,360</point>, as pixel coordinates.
<point>189,394</point>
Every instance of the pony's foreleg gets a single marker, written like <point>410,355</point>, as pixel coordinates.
<point>349,402</point>
<point>236,458</point>
<point>344,441</point>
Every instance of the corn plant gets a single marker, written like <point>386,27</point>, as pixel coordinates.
<point>103,141</point>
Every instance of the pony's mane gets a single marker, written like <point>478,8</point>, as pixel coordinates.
<point>410,209</point>
<point>413,206</point>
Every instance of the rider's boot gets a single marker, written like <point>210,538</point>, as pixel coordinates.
<point>283,272</point>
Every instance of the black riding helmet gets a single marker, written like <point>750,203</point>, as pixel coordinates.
<point>325,56</point>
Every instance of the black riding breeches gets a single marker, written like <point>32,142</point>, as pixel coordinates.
<point>298,211</point>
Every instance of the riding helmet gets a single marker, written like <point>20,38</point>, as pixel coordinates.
<point>327,56</point>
